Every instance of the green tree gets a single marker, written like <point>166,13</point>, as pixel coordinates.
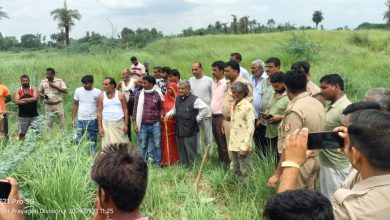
<point>386,15</point>
<point>234,24</point>
<point>65,18</point>
<point>30,41</point>
<point>317,18</point>
<point>3,14</point>
<point>271,23</point>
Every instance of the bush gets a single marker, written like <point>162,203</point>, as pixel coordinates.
<point>360,39</point>
<point>300,47</point>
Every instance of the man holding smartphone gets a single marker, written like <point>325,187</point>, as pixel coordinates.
<point>334,165</point>
<point>302,111</point>
<point>11,203</point>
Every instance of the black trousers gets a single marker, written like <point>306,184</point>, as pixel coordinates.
<point>260,140</point>
<point>220,139</point>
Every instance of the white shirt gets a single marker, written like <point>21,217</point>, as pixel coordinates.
<point>245,74</point>
<point>112,108</point>
<point>198,104</point>
<point>87,103</point>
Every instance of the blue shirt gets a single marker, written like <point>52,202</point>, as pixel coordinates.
<point>257,92</point>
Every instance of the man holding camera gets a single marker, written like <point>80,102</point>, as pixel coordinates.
<point>367,146</point>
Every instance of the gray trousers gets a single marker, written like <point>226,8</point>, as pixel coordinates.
<point>241,166</point>
<point>187,150</point>
<point>205,135</point>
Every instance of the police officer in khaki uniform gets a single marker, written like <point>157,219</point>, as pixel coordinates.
<point>51,90</point>
<point>302,111</point>
<point>232,73</point>
<point>311,88</point>
<point>367,145</point>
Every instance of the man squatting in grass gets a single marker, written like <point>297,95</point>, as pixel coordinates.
<point>85,107</point>
<point>26,97</point>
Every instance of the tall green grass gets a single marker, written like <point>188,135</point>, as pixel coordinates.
<point>55,174</point>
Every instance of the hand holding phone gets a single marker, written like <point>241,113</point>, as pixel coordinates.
<point>266,116</point>
<point>13,205</point>
<point>324,140</point>
<point>5,189</point>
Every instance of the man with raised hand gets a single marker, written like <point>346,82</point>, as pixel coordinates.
<point>367,145</point>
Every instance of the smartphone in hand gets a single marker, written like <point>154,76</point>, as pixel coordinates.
<point>266,117</point>
<point>5,189</point>
<point>324,140</point>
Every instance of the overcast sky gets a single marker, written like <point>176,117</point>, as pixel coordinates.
<point>172,16</point>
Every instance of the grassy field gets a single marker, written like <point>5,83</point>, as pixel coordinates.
<point>55,175</point>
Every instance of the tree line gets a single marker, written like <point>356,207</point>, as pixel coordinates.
<point>140,37</point>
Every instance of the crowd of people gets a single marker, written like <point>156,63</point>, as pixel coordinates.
<point>264,114</point>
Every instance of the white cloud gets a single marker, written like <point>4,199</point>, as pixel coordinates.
<point>214,2</point>
<point>120,4</point>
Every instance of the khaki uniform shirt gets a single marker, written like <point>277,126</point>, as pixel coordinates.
<point>302,111</point>
<point>334,117</point>
<point>54,95</point>
<point>368,199</point>
<point>228,98</point>
<point>242,126</point>
<point>276,106</point>
<point>314,91</point>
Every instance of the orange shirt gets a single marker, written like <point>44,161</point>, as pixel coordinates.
<point>4,91</point>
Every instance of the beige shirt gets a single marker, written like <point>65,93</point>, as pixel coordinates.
<point>228,99</point>
<point>367,200</point>
<point>54,95</point>
<point>302,111</point>
<point>242,126</point>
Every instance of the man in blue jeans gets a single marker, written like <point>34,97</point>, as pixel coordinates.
<point>85,106</point>
<point>147,113</point>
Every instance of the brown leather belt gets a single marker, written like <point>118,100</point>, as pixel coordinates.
<point>217,115</point>
<point>53,103</point>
